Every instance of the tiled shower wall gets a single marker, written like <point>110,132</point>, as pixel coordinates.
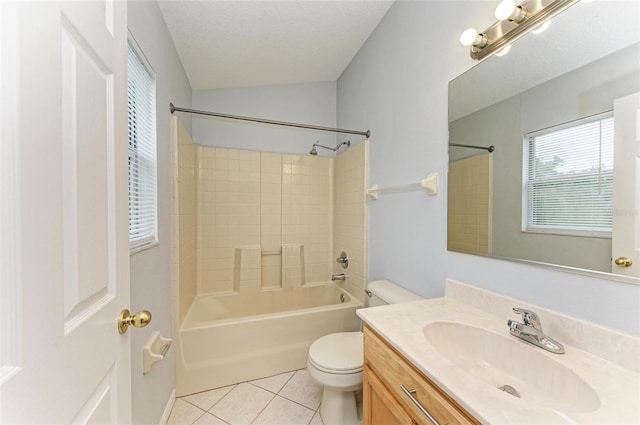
<point>307,213</point>
<point>246,221</point>
<point>469,203</point>
<point>183,161</point>
<point>265,220</point>
<point>350,216</point>
<point>228,214</point>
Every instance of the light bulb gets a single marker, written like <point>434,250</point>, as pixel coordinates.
<point>504,50</point>
<point>505,9</point>
<point>468,36</point>
<point>541,28</point>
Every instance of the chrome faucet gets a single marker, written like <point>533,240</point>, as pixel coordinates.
<point>340,276</point>
<point>530,330</point>
<point>343,260</point>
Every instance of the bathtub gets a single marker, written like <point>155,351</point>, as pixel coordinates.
<point>236,337</point>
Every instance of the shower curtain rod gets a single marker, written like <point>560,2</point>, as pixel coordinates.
<point>265,121</point>
<point>490,148</point>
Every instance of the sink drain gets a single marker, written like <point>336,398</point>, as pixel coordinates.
<point>509,390</point>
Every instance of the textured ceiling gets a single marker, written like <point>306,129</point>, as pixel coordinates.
<point>252,43</point>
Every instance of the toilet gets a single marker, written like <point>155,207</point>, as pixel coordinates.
<point>335,361</point>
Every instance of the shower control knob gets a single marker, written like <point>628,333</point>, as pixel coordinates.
<point>138,320</point>
<point>343,260</point>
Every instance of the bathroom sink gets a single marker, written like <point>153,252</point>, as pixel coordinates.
<point>508,364</point>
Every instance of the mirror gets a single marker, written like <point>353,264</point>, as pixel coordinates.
<point>517,202</point>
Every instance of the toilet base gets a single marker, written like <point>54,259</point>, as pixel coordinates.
<point>339,407</point>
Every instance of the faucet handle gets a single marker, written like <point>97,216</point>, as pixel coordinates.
<point>529,318</point>
<point>343,260</point>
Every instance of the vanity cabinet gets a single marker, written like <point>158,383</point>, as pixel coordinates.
<point>386,372</point>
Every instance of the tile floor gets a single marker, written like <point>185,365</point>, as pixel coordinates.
<point>291,398</point>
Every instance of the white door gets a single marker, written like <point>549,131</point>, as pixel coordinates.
<point>626,186</point>
<point>65,257</point>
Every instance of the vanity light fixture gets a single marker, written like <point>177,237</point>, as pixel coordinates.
<point>541,28</point>
<point>470,37</point>
<point>507,9</point>
<point>514,21</point>
<point>503,51</point>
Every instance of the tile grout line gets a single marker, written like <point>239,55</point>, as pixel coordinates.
<point>222,398</point>
<point>211,414</point>
<point>184,398</point>
<point>286,398</point>
<point>299,404</point>
<point>281,396</point>
<point>265,406</point>
<point>198,418</point>
<point>218,418</point>
<point>195,420</point>
<point>283,385</point>
<point>187,401</point>
<point>315,412</point>
<point>255,386</point>
<point>204,412</point>
<point>276,394</point>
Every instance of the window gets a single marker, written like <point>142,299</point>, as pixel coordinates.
<point>141,102</point>
<point>568,182</point>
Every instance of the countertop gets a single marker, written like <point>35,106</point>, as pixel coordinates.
<point>617,387</point>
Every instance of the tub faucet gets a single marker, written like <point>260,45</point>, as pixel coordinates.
<point>530,330</point>
<point>340,276</point>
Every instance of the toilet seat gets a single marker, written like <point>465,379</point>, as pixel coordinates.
<point>339,353</point>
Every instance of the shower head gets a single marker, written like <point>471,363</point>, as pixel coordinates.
<point>348,143</point>
<point>314,151</point>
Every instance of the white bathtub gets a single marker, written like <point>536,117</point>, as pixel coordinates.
<point>237,337</point>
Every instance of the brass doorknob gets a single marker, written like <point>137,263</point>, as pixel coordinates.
<point>139,320</point>
<point>623,262</point>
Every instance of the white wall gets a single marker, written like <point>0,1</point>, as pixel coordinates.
<point>397,86</point>
<point>151,269</point>
<point>310,103</point>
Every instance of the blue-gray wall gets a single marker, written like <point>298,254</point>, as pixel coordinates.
<point>309,103</point>
<point>151,269</point>
<point>397,86</point>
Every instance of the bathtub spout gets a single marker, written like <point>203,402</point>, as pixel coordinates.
<point>340,276</point>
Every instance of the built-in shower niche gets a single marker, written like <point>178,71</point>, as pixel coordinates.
<point>293,266</point>
<point>271,269</point>
<point>256,270</point>
<point>246,271</point>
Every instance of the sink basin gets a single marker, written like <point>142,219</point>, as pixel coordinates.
<point>501,360</point>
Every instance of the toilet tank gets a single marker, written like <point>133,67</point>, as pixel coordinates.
<point>382,292</point>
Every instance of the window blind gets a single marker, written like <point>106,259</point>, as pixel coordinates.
<point>569,178</point>
<point>142,153</point>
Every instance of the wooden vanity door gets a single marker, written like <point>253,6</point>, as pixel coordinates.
<point>381,408</point>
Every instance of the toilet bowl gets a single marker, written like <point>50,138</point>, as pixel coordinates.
<point>336,360</point>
